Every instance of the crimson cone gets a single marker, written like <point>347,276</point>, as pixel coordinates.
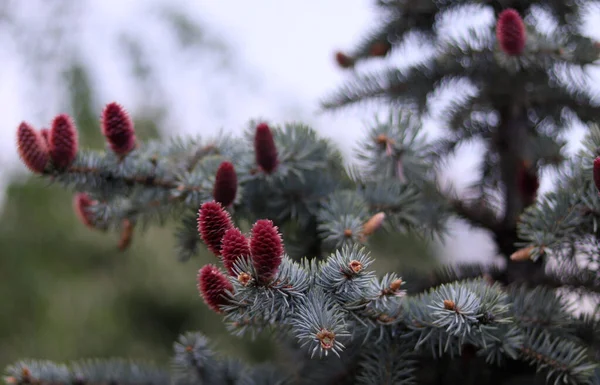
<point>32,148</point>
<point>266,248</point>
<point>528,184</point>
<point>264,149</point>
<point>234,245</point>
<point>597,173</point>
<point>63,141</point>
<point>343,60</point>
<point>511,32</point>
<point>213,222</point>
<point>225,184</point>
<point>117,127</point>
<point>380,49</point>
<point>213,287</point>
<point>81,204</point>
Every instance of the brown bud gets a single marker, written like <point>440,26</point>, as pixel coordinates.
<point>344,61</point>
<point>522,254</point>
<point>373,224</point>
<point>449,304</point>
<point>347,233</point>
<point>26,374</point>
<point>381,139</point>
<point>126,235</point>
<point>395,285</point>
<point>380,48</point>
<point>356,266</point>
<point>326,338</point>
<point>385,318</point>
<point>244,278</point>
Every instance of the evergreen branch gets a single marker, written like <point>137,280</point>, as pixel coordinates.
<point>90,372</point>
<point>587,329</point>
<point>447,317</point>
<point>391,85</point>
<point>540,307</point>
<point>569,275</point>
<point>417,282</point>
<point>564,361</point>
<point>387,363</point>
<point>478,215</point>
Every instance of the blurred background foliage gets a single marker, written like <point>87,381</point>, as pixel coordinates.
<point>66,291</point>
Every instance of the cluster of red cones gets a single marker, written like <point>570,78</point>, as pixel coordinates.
<point>264,248</point>
<point>58,147</point>
<point>59,144</point>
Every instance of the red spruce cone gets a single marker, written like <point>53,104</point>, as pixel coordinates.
<point>380,49</point>
<point>343,60</point>
<point>81,203</point>
<point>117,127</point>
<point>63,141</point>
<point>213,222</point>
<point>234,245</point>
<point>266,249</point>
<point>528,183</point>
<point>32,148</point>
<point>510,32</point>
<point>225,184</point>
<point>264,149</point>
<point>213,285</point>
<point>597,173</point>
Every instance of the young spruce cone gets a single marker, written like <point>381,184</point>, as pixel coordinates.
<point>213,287</point>
<point>225,184</point>
<point>528,183</point>
<point>117,127</point>
<point>81,204</point>
<point>380,49</point>
<point>264,149</point>
<point>63,141</point>
<point>511,32</point>
<point>266,249</point>
<point>343,60</point>
<point>32,148</point>
<point>213,222</point>
<point>597,173</point>
<point>234,245</point>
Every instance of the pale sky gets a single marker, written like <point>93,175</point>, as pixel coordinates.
<point>285,46</point>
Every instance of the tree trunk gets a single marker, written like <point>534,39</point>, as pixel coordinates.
<point>510,140</point>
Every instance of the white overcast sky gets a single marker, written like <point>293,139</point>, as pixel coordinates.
<point>286,46</point>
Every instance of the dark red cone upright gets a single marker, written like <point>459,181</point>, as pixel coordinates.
<point>528,184</point>
<point>343,60</point>
<point>213,222</point>
<point>597,173</point>
<point>213,287</point>
<point>81,204</point>
<point>225,184</point>
<point>264,149</point>
<point>380,49</point>
<point>266,248</point>
<point>63,141</point>
<point>32,148</point>
<point>511,32</point>
<point>234,245</point>
<point>117,127</point>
